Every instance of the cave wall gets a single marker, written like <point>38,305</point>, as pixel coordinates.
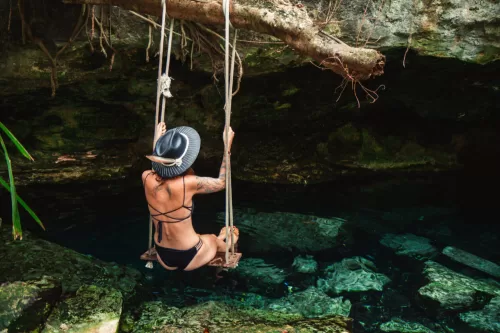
<point>293,123</point>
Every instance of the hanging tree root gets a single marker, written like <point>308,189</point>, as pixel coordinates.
<point>281,19</point>
<point>26,29</point>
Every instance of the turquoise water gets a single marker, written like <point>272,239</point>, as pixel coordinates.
<point>110,223</point>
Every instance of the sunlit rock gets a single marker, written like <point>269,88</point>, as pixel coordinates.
<point>450,290</point>
<point>93,310</point>
<point>352,275</point>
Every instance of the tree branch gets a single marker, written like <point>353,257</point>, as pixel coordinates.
<point>281,19</point>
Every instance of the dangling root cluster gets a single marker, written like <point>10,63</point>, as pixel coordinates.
<point>104,39</point>
<point>197,38</point>
<point>349,77</point>
<point>27,32</point>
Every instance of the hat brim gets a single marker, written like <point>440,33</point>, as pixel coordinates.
<point>188,159</point>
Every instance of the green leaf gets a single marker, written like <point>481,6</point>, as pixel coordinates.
<point>16,221</point>
<point>16,142</point>
<point>23,204</point>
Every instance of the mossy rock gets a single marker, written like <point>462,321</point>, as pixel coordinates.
<point>219,318</point>
<point>32,258</point>
<point>24,306</point>
<point>93,309</point>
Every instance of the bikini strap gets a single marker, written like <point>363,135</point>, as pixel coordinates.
<point>184,197</point>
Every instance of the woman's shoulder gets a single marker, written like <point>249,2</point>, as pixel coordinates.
<point>145,175</point>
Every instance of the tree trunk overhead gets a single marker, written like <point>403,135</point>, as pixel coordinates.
<point>280,18</point>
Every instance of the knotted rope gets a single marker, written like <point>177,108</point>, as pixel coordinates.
<point>162,93</point>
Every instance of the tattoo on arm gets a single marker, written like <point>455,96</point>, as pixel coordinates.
<point>211,185</point>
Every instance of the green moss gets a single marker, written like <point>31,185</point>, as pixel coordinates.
<point>290,91</point>
<point>93,309</point>
<point>279,106</point>
<point>219,318</point>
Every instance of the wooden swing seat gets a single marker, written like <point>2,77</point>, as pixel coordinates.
<point>218,261</point>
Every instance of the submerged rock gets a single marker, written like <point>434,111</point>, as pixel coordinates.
<point>401,326</point>
<point>32,258</point>
<point>93,309</point>
<point>305,264</point>
<point>25,305</point>
<point>271,231</point>
<point>472,260</point>
<point>312,303</point>
<point>259,274</point>
<point>410,245</point>
<point>218,318</point>
<point>487,319</point>
<point>453,291</point>
<point>352,275</point>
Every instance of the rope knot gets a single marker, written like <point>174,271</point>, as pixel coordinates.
<point>165,82</point>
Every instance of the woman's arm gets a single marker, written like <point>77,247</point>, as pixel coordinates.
<point>209,184</point>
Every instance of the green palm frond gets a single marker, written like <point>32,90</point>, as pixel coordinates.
<point>16,221</point>
<point>16,142</point>
<point>10,185</point>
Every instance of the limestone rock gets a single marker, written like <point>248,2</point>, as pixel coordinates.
<point>352,275</point>
<point>401,326</point>
<point>25,305</point>
<point>472,260</point>
<point>487,319</point>
<point>93,309</point>
<point>454,291</point>
<point>432,27</point>
<point>218,318</point>
<point>32,258</point>
<point>410,245</point>
<point>305,264</point>
<point>283,230</point>
<point>312,303</point>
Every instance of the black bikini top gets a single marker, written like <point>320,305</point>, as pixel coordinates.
<point>166,214</point>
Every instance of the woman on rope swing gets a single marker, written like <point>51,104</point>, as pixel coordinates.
<point>170,188</point>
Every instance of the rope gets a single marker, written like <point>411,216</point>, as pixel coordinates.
<point>228,75</point>
<point>162,93</point>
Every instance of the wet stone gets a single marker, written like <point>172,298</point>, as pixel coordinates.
<point>401,326</point>
<point>354,274</point>
<point>485,320</point>
<point>305,264</point>
<point>219,318</point>
<point>260,275</point>
<point>450,290</point>
<point>409,245</point>
<point>281,230</point>
<point>312,303</point>
<point>93,309</point>
<point>472,260</point>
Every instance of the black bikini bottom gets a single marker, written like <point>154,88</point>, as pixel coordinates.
<point>178,258</point>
